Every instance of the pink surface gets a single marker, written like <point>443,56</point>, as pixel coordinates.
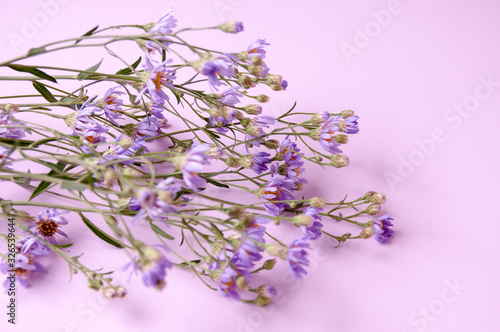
<point>406,75</point>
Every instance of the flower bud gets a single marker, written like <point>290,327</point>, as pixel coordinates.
<point>377,198</point>
<point>269,264</point>
<point>317,202</point>
<point>339,160</point>
<point>253,109</point>
<point>241,282</point>
<point>367,232</point>
<point>373,209</point>
<point>262,98</point>
<point>317,159</point>
<point>256,61</point>
<point>231,27</point>
<point>276,250</point>
<point>214,152</point>
<point>302,220</point>
<point>347,113</point>
<point>315,134</point>
<point>247,82</point>
<point>109,177</point>
<point>236,211</point>
<point>247,161</point>
<point>120,291</point>
<point>231,162</point>
<point>271,143</point>
<point>109,292</point>
<point>341,138</point>
<point>125,142</point>
<point>215,112</point>
<point>132,173</point>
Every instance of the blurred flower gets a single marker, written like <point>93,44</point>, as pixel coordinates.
<point>230,96</point>
<point>232,27</point>
<point>313,232</point>
<point>350,125</point>
<point>152,265</point>
<point>111,104</point>
<point>277,189</point>
<point>381,227</point>
<point>193,163</point>
<point>260,161</point>
<point>156,203</point>
<point>327,139</point>
<point>257,49</point>
<point>296,257</point>
<point>213,69</point>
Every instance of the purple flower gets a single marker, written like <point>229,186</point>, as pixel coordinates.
<point>227,283</point>
<point>277,189</point>
<point>153,266</point>
<point>257,49</point>
<point>313,232</point>
<point>147,128</point>
<point>220,66</point>
<point>230,96</point>
<point>249,251</point>
<point>165,24</point>
<point>156,203</point>
<point>254,129</point>
<point>327,132</point>
<point>350,125</point>
<point>111,104</point>
<point>156,110</point>
<point>93,136</point>
<point>293,166</point>
<point>284,84</point>
<point>48,227</point>
<point>81,121</point>
<point>296,257</point>
<point>124,147</point>
<point>260,161</point>
<point>193,163</point>
<point>10,129</point>
<point>159,77</point>
<point>381,228</point>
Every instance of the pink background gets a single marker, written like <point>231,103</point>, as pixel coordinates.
<point>402,80</point>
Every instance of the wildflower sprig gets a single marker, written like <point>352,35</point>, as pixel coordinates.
<point>175,142</point>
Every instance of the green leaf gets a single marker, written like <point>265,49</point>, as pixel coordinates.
<point>23,181</point>
<point>102,235</point>
<point>217,231</point>
<point>45,184</point>
<point>15,142</point>
<point>6,206</point>
<point>93,69</point>
<point>67,245</point>
<point>217,184</point>
<point>36,51</point>
<point>87,34</point>
<point>160,232</point>
<point>128,71</point>
<point>68,99</point>
<point>44,92</point>
<point>34,71</point>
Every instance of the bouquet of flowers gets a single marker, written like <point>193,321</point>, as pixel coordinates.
<point>175,144</point>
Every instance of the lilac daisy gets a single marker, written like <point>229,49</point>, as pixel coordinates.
<point>24,266</point>
<point>48,226</point>
<point>159,77</point>
<point>192,164</point>
<point>153,266</point>
<point>296,257</point>
<point>277,189</point>
<point>147,128</point>
<point>327,139</point>
<point>257,49</point>
<point>213,69</point>
<point>230,96</point>
<point>232,27</point>
<point>111,104</point>
<point>4,159</point>
<point>9,128</point>
<point>260,161</point>
<point>381,228</point>
<point>227,283</point>
<point>255,128</point>
<point>156,203</point>
<point>313,232</point>
<point>249,250</point>
<point>350,125</point>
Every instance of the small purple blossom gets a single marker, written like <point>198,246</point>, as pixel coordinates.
<point>249,251</point>
<point>227,283</point>
<point>350,125</point>
<point>153,266</point>
<point>4,159</point>
<point>49,223</point>
<point>230,96</point>
<point>327,133</point>
<point>260,161</point>
<point>277,189</point>
<point>147,128</point>
<point>381,228</point>
<point>257,49</point>
<point>112,104</point>
<point>156,203</point>
<point>296,257</point>
<point>232,27</point>
<point>158,78</point>
<point>313,232</point>
<point>284,84</point>
<point>193,163</point>
<point>93,136</point>
<point>166,23</point>
<point>9,128</point>
<point>24,266</point>
<point>123,148</point>
<point>213,69</point>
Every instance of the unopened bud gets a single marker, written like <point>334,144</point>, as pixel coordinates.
<point>320,117</point>
<point>315,134</point>
<point>276,250</point>
<point>373,209</point>
<point>247,161</point>
<point>317,202</point>
<point>367,232</point>
<point>339,160</point>
<point>262,98</point>
<point>302,220</point>
<point>110,177</point>
<point>231,27</point>
<point>271,143</point>
<point>231,162</point>
<point>109,292</point>
<point>253,109</point>
<point>347,113</point>
<point>236,212</point>
<point>241,282</point>
<point>269,264</point>
<point>341,138</point>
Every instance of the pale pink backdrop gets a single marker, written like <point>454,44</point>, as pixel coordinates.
<point>405,67</point>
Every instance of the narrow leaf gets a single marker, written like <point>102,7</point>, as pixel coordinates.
<point>44,92</point>
<point>34,71</point>
<point>161,232</point>
<point>93,69</point>
<point>45,184</point>
<point>128,71</point>
<point>102,235</point>
<point>217,184</point>
<point>36,51</point>
<point>87,34</point>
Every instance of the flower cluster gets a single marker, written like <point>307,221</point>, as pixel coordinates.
<point>179,146</point>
